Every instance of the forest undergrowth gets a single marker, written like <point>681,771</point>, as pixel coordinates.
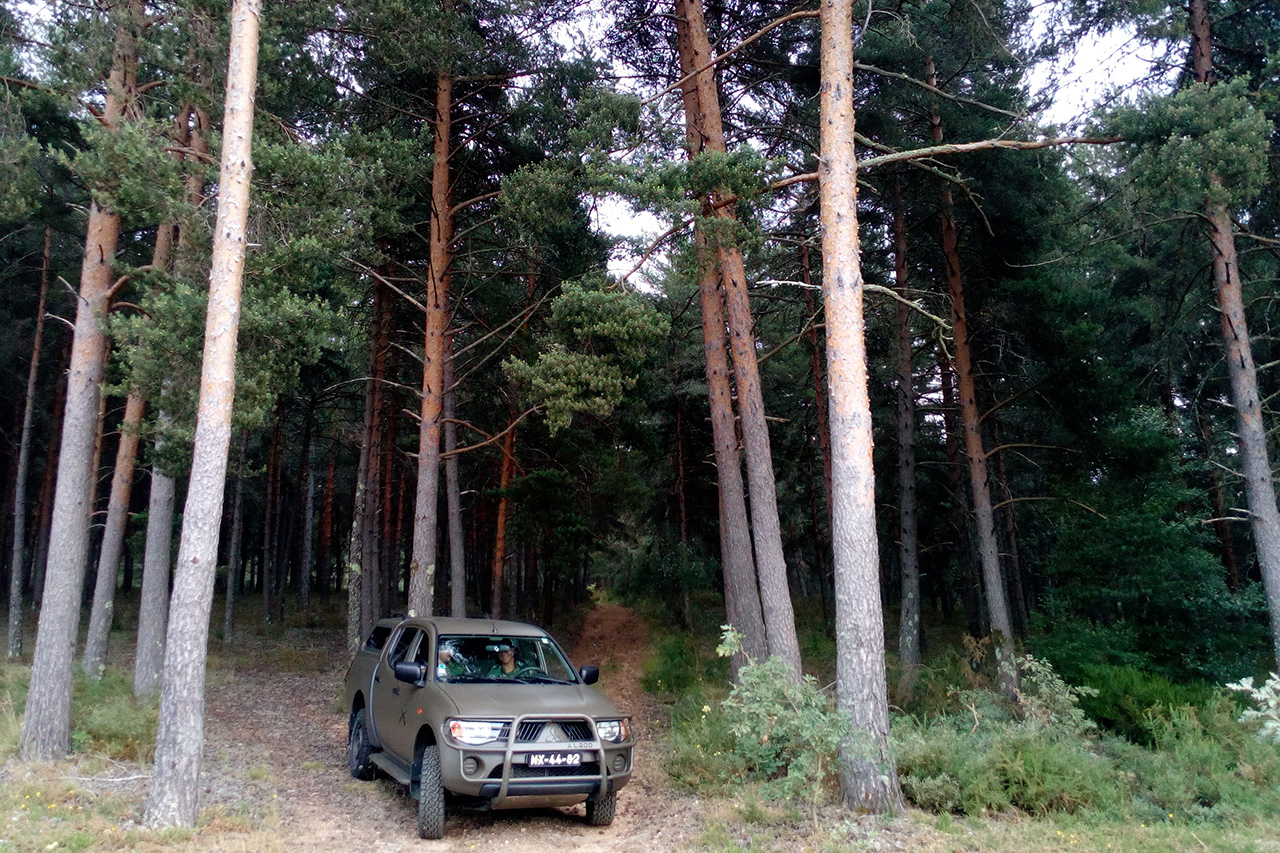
<point>1126,761</point>
<point>1131,761</point>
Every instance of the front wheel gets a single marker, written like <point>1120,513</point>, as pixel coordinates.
<point>359,749</point>
<point>600,811</point>
<point>430,796</point>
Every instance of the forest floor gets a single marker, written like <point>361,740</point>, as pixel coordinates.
<point>275,779</point>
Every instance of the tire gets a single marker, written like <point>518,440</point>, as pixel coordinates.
<point>359,749</point>
<point>600,811</point>
<point>430,796</point>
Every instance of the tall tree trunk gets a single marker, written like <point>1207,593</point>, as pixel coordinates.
<point>422,566</point>
<point>1255,466</point>
<point>173,796</point>
<point>742,595</point>
<point>324,547</point>
<point>766,532</point>
<point>868,776</point>
<point>271,515</point>
<point>357,630</point>
<point>1220,525</point>
<point>46,724</point>
<point>500,534</point>
<point>908,542</point>
<point>95,647</point>
<point>44,501</point>
<point>453,492</point>
<point>235,551</point>
<point>962,558</point>
<point>153,608</point>
<point>819,380</point>
<point>17,565</point>
<point>308,530</point>
<point>1013,566</point>
<point>971,419</point>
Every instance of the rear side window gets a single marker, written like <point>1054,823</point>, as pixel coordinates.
<point>378,638</point>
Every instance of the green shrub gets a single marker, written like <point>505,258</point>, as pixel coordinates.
<point>679,664</point>
<point>1126,698</point>
<point>989,756</point>
<point>107,719</point>
<point>702,757</point>
<point>1203,766</point>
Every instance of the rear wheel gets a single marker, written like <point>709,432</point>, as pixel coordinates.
<point>359,749</point>
<point>430,796</point>
<point>600,811</point>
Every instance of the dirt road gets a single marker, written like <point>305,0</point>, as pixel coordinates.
<point>277,742</point>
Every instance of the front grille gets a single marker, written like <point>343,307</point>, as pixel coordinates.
<point>529,731</point>
<point>577,730</point>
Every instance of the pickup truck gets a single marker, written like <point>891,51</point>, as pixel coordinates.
<point>479,713</point>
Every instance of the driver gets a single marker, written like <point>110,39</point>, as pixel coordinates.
<point>506,664</point>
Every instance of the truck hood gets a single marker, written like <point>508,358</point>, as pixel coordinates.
<point>508,700</point>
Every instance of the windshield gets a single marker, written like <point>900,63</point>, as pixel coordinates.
<point>486,658</point>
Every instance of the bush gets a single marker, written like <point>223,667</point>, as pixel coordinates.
<point>107,719</point>
<point>1204,766</point>
<point>1126,699</point>
<point>1036,756</point>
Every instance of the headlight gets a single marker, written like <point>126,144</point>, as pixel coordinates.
<point>615,731</point>
<point>475,731</point>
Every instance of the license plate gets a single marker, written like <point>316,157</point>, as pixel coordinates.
<point>555,759</point>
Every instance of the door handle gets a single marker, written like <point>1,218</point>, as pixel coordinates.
<point>395,691</point>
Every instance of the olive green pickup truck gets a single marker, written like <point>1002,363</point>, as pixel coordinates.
<point>478,713</point>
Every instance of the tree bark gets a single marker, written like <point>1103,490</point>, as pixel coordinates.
<point>453,492</point>
<point>153,608</point>
<point>46,724</point>
<point>173,796</point>
<point>742,595</point>
<point>766,532</point>
<point>908,541</point>
<point>356,628</point>
<point>1255,465</point>
<point>95,648</point>
<point>971,419</point>
<point>868,776</point>
<point>324,547</point>
<point>500,534</point>
<point>235,551</point>
<point>422,565</point>
<point>17,564</point>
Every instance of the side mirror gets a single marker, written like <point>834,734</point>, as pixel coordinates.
<point>589,674</point>
<point>411,673</point>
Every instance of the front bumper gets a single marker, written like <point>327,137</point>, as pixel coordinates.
<point>500,771</point>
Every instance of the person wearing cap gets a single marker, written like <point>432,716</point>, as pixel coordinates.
<point>506,664</point>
